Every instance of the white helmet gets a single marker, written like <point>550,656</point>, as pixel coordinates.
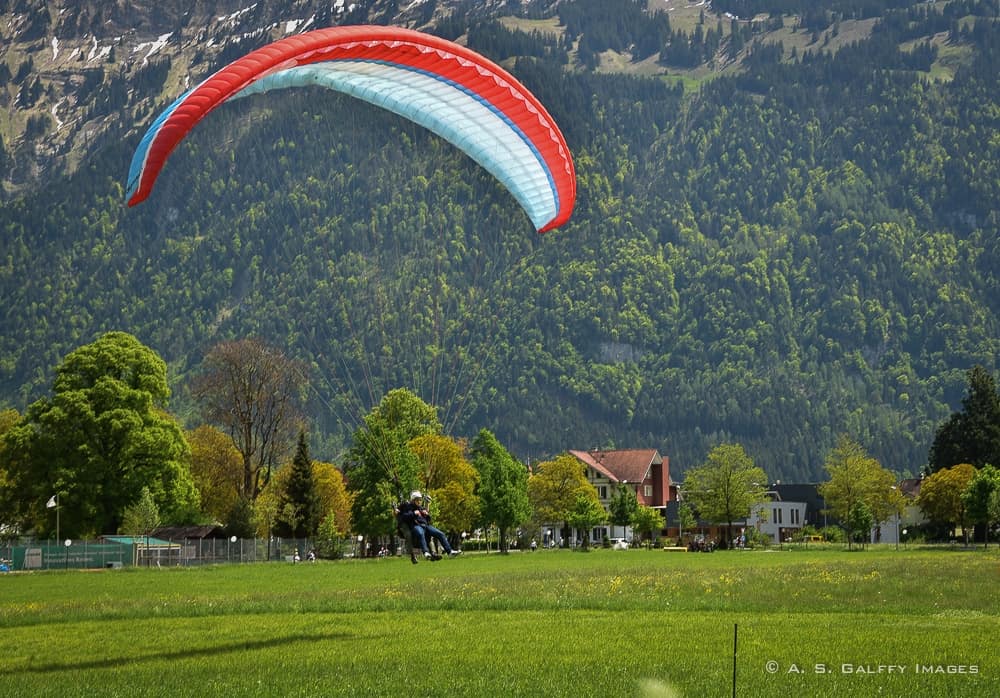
<point>415,494</point>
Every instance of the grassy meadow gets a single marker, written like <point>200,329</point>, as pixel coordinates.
<point>816,622</point>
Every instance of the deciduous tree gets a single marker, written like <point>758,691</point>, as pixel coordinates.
<point>503,486</point>
<point>260,518</point>
<point>648,522</point>
<point>451,481</point>
<point>380,467</point>
<point>586,513</point>
<point>99,439</point>
<point>252,391</point>
<point>857,477</point>
<point>622,506</point>
<point>8,420</point>
<point>979,499</point>
<point>217,469</point>
<point>726,486</point>
<point>554,486</point>
<point>686,520</point>
<point>940,497</point>
<point>335,500</point>
<point>859,522</point>
<point>142,517</point>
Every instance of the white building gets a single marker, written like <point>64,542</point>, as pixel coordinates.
<point>777,519</point>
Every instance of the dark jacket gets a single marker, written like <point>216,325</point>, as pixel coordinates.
<point>412,515</point>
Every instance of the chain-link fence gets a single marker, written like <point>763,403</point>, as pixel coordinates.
<point>134,551</point>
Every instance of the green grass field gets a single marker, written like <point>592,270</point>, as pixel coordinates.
<point>554,623</point>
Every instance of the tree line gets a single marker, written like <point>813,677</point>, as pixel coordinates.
<point>105,449</point>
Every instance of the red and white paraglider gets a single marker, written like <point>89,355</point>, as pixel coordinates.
<point>450,90</point>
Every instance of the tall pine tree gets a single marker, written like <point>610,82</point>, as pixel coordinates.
<point>973,434</point>
<point>301,502</point>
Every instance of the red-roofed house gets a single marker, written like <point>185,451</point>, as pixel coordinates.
<point>643,470</point>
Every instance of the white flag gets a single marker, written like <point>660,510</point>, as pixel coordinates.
<point>51,503</point>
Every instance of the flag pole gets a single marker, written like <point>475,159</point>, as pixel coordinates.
<point>54,503</point>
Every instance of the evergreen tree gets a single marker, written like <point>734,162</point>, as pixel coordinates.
<point>971,435</point>
<point>239,520</point>
<point>300,493</point>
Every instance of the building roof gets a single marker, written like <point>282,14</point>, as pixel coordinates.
<point>800,492</point>
<point>626,465</point>
<point>186,532</point>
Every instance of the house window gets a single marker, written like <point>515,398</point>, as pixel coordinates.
<point>602,491</point>
<point>647,490</point>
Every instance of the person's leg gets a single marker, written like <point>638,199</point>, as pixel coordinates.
<point>411,542</point>
<point>439,536</point>
<point>421,539</point>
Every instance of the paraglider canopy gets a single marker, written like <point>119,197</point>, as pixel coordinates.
<point>447,88</point>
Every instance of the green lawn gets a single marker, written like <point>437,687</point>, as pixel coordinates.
<point>553,623</point>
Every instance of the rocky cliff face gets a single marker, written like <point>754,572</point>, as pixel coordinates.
<point>76,73</point>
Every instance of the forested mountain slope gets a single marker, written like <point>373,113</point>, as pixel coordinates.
<point>787,229</point>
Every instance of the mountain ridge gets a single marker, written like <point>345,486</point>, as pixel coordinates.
<point>792,249</point>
